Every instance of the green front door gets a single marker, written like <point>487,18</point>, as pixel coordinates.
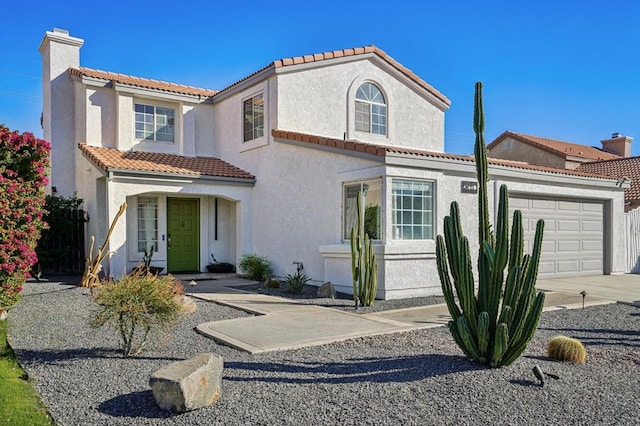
<point>183,229</point>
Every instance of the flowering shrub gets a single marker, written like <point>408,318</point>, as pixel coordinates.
<point>24,161</point>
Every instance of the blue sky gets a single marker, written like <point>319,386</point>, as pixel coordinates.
<point>568,70</point>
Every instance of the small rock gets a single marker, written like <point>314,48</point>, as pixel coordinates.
<point>187,303</point>
<point>272,283</point>
<point>327,290</point>
<point>188,385</point>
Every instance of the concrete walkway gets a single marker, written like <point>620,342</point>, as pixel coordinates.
<point>283,324</point>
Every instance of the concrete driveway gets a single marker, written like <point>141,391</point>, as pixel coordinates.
<point>620,288</point>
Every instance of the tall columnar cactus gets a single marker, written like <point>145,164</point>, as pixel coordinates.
<point>364,269</point>
<point>495,326</point>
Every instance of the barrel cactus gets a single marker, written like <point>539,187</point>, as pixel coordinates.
<point>494,326</point>
<point>563,348</point>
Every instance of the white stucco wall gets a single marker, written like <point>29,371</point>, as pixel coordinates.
<point>124,240</point>
<point>320,101</point>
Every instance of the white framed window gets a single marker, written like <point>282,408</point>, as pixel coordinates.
<point>147,223</point>
<point>412,209</point>
<point>371,191</point>
<point>371,110</point>
<point>154,123</point>
<point>253,117</point>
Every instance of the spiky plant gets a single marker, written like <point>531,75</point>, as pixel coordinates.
<point>495,326</point>
<point>565,348</point>
<point>364,269</point>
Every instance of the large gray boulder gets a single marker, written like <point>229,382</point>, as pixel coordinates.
<point>188,385</point>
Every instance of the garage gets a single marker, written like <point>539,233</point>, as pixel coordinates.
<point>573,234</point>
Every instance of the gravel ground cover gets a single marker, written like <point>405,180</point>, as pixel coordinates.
<point>342,301</point>
<point>417,377</point>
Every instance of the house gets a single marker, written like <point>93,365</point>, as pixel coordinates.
<point>626,167</point>
<point>274,163</point>
<point>555,153</point>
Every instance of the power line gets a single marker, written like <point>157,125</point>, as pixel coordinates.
<point>21,96</point>
<point>20,74</point>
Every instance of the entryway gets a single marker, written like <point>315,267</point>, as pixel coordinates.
<point>183,232</point>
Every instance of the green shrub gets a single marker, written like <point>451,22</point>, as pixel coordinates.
<point>255,267</point>
<point>138,305</point>
<point>296,282</point>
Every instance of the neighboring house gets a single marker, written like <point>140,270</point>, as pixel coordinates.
<point>555,153</point>
<point>628,168</point>
<point>273,164</point>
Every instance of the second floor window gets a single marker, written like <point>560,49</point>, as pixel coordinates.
<point>371,110</point>
<point>253,117</point>
<point>154,123</point>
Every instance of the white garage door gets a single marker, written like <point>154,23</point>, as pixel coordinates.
<point>573,235</point>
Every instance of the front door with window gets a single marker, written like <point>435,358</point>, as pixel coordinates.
<point>183,229</point>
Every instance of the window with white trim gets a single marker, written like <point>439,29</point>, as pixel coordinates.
<point>371,110</point>
<point>253,117</point>
<point>154,123</point>
<point>371,191</point>
<point>147,223</point>
<point>412,209</point>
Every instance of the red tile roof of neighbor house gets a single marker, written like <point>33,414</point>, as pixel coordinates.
<point>557,147</point>
<point>108,159</point>
<point>623,167</point>
<point>141,82</point>
<point>383,150</point>
<point>318,57</point>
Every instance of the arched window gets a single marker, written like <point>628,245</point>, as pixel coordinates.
<point>371,110</point>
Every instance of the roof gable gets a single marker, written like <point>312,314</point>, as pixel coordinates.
<point>316,58</point>
<point>110,159</point>
<point>556,147</point>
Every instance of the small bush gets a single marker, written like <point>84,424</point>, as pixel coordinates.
<point>255,267</point>
<point>296,282</point>
<point>138,306</point>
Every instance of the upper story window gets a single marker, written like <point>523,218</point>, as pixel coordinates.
<point>371,110</point>
<point>253,117</point>
<point>154,123</point>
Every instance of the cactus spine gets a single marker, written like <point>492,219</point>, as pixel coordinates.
<point>495,327</point>
<point>565,348</point>
<point>364,269</point>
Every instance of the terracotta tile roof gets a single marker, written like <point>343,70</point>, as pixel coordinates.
<point>557,147</point>
<point>297,60</point>
<point>112,159</point>
<point>383,150</point>
<point>141,82</point>
<point>623,167</point>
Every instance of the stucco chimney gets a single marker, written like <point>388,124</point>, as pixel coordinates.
<point>59,52</point>
<point>618,144</point>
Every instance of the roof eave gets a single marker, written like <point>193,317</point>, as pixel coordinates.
<point>245,83</point>
<point>148,175</point>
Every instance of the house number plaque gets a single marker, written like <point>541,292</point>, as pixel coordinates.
<point>469,187</point>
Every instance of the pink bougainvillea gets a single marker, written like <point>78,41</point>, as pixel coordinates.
<point>24,160</point>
